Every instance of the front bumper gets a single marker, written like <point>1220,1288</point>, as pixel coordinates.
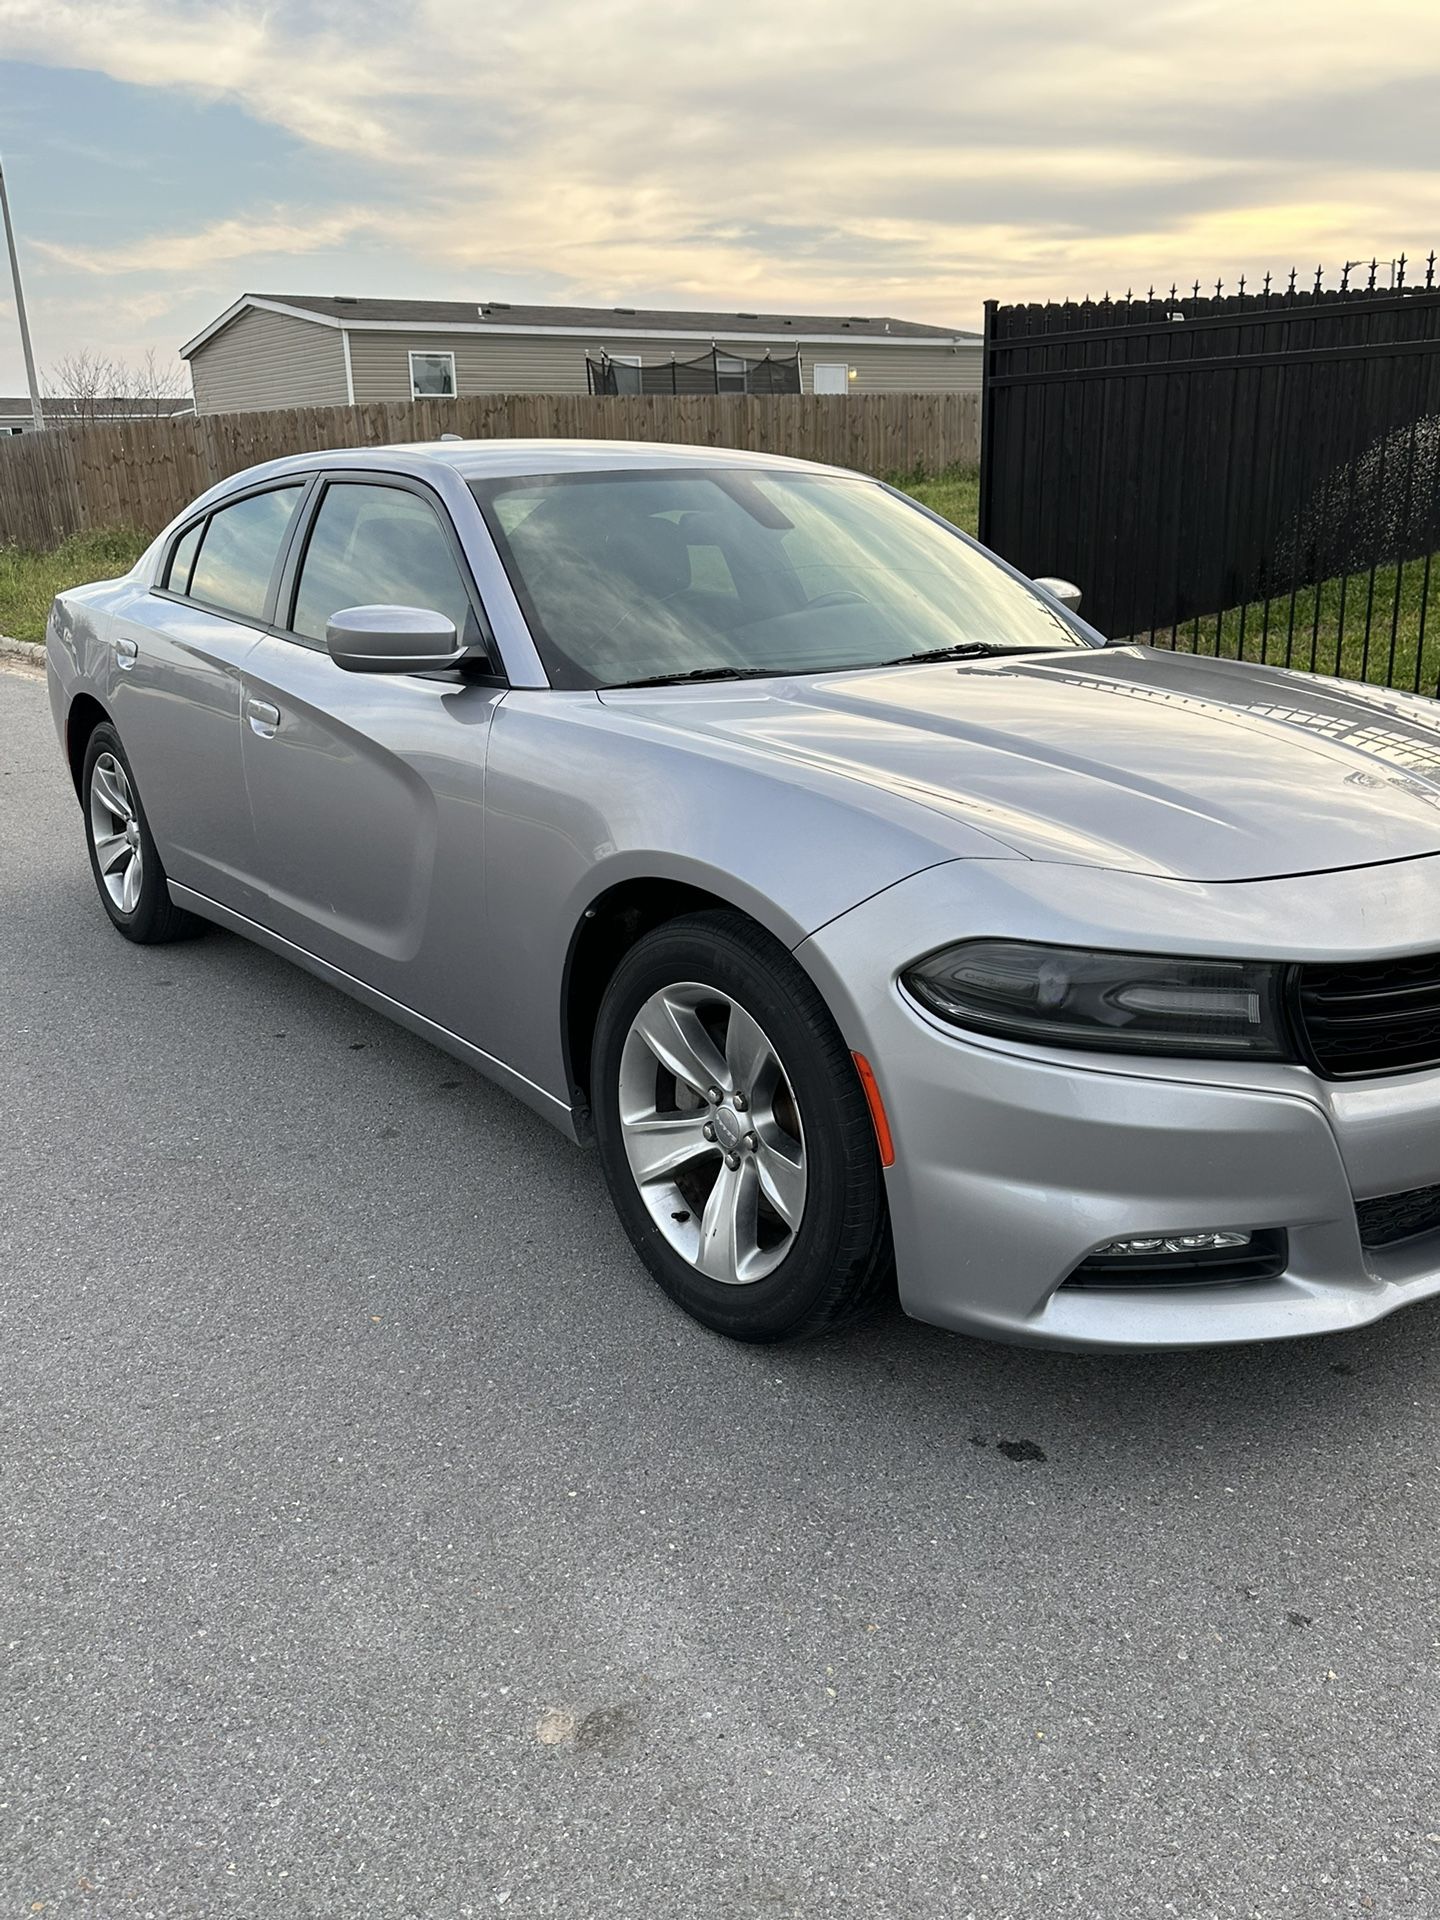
<point>1013,1164</point>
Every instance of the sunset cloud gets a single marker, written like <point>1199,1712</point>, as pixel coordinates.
<point>914,159</point>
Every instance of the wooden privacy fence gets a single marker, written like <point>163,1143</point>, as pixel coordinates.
<point>139,473</point>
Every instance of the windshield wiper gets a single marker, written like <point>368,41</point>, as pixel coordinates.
<point>699,673</point>
<point>966,650</point>
<point>963,650</point>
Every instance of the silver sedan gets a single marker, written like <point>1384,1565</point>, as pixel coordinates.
<point>879,923</point>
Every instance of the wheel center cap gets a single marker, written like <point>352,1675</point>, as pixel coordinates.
<point>730,1129</point>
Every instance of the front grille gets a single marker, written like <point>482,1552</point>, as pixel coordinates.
<point>1263,1258</point>
<point>1378,1016</point>
<point>1398,1216</point>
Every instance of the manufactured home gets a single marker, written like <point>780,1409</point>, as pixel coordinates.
<point>296,350</point>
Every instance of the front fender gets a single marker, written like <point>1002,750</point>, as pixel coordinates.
<point>580,799</point>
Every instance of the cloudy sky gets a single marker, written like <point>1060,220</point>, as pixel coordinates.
<point>909,157</point>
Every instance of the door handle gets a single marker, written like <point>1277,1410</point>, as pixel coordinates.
<point>126,654</point>
<point>264,719</point>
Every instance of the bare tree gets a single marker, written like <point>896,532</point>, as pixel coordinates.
<point>91,386</point>
<point>85,382</point>
<point>154,384</point>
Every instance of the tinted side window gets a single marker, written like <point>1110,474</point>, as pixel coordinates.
<point>376,547</point>
<point>239,551</point>
<point>183,558</point>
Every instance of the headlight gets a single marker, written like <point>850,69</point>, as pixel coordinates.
<point>1122,1002</point>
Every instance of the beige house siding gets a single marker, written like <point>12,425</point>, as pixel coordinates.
<point>938,369</point>
<point>269,360</point>
<point>535,363</point>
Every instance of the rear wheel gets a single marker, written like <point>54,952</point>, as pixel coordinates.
<point>735,1135</point>
<point>123,856</point>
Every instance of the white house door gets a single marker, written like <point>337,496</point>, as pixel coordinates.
<point>831,376</point>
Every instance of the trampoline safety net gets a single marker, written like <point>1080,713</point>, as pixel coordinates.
<point>713,372</point>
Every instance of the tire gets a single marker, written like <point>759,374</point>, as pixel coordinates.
<point>129,878</point>
<point>774,1227</point>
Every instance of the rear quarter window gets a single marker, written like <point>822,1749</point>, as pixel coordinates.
<point>182,559</point>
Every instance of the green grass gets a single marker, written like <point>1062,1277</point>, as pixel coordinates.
<point>954,494</point>
<point>30,578</point>
<point>1328,628</point>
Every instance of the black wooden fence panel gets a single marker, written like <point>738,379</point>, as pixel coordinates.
<point>1196,464</point>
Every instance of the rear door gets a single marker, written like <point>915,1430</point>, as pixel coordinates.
<point>366,789</point>
<point>177,690</point>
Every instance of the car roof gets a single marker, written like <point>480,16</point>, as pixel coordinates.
<point>484,459</point>
<point>507,459</point>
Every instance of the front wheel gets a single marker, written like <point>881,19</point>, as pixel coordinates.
<point>735,1135</point>
<point>123,855</point>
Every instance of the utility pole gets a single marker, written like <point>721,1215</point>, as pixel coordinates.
<point>35,408</point>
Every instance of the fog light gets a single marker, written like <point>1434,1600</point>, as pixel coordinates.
<point>1226,1257</point>
<point>1171,1243</point>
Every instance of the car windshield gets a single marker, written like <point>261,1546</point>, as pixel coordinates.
<point>717,572</point>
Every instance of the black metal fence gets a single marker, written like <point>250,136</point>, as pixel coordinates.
<point>1253,474</point>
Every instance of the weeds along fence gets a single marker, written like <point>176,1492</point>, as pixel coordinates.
<point>1253,474</point>
<point>139,473</point>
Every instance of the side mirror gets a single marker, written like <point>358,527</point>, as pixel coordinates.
<point>392,640</point>
<point>1065,591</point>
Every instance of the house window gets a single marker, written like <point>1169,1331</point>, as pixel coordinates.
<point>432,376</point>
<point>729,374</point>
<point>831,376</point>
<point>627,372</point>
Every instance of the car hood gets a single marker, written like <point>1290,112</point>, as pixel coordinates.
<point>1123,757</point>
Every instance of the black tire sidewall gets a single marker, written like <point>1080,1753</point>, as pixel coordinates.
<point>844,1229</point>
<point>141,924</point>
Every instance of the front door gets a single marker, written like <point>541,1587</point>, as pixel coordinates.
<point>830,377</point>
<point>366,789</point>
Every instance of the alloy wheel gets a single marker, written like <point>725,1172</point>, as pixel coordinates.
<point>115,833</point>
<point>712,1132</point>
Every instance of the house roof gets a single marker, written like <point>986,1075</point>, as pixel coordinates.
<point>56,408</point>
<point>499,316</point>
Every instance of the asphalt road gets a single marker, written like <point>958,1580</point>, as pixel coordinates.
<point>375,1540</point>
